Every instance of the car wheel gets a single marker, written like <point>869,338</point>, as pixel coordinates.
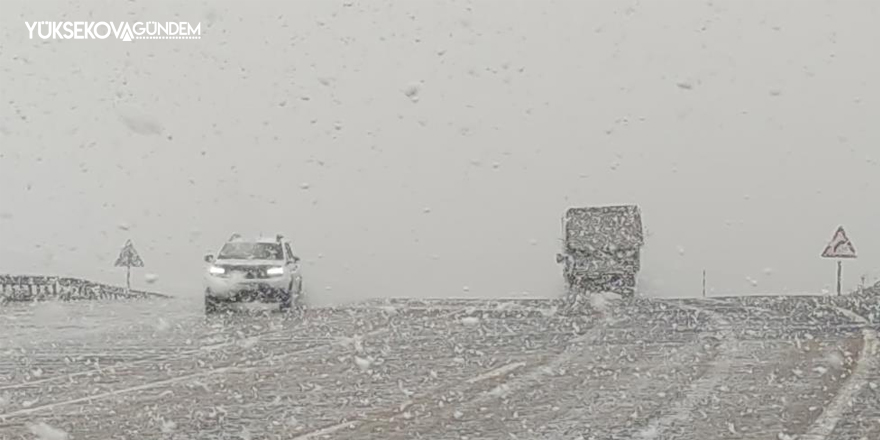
<point>211,305</point>
<point>287,298</point>
<point>300,296</point>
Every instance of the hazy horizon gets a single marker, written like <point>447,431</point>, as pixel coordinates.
<point>431,148</point>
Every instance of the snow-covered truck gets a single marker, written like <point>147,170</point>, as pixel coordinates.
<point>601,249</point>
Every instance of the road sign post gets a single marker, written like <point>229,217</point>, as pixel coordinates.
<point>704,283</point>
<point>840,247</point>
<point>128,257</point>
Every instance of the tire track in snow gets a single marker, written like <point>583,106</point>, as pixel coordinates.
<point>376,418</point>
<point>190,352</point>
<point>326,431</point>
<point>360,420</point>
<point>683,409</point>
<point>599,303</point>
<point>536,375</point>
<point>183,355</point>
<point>500,371</point>
<point>579,418</point>
<point>824,425</point>
<point>161,383</point>
<point>49,406</point>
<point>531,378</point>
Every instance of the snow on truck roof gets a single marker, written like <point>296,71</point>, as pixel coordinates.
<point>598,227</point>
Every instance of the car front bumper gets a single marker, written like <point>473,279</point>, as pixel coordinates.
<point>249,290</point>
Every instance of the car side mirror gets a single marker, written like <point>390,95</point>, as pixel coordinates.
<point>295,259</point>
<point>209,258</point>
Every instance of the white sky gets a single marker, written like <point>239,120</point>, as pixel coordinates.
<point>746,131</point>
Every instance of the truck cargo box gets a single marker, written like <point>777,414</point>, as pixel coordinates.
<point>601,248</point>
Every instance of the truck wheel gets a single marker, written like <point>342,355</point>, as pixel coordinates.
<point>628,288</point>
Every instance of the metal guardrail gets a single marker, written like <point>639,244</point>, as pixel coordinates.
<point>21,288</point>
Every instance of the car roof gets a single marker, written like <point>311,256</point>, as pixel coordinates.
<point>268,240</point>
<point>260,239</point>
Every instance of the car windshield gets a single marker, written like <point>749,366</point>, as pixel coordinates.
<point>251,251</point>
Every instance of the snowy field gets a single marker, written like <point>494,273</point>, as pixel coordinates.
<point>735,368</point>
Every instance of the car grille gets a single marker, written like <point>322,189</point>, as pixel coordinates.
<point>247,272</point>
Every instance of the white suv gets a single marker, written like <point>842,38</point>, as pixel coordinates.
<point>260,270</point>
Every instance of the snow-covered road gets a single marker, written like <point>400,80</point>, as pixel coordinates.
<point>719,369</point>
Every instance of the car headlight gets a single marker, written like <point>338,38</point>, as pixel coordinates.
<point>275,271</point>
<point>216,270</point>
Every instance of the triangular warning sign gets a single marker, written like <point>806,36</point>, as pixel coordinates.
<point>840,246</point>
<point>129,257</point>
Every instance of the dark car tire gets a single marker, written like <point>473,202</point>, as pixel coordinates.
<point>212,305</point>
<point>300,296</point>
<point>287,299</point>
